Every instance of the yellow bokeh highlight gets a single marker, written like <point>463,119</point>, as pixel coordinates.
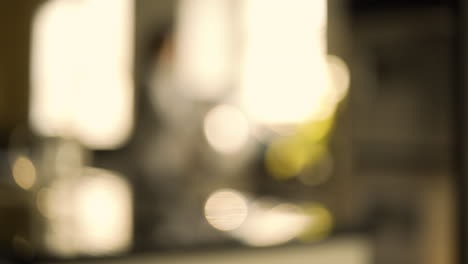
<point>286,157</point>
<point>24,172</point>
<point>321,223</point>
<point>315,131</point>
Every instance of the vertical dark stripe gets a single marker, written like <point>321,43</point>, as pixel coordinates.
<point>459,127</point>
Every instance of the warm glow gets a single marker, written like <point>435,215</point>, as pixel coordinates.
<point>68,158</point>
<point>284,74</point>
<point>272,226</point>
<point>204,44</point>
<point>42,199</point>
<point>321,223</point>
<point>226,209</point>
<point>81,71</point>
<point>339,76</point>
<point>54,203</point>
<point>24,172</point>
<point>226,129</point>
<point>287,157</point>
<point>302,150</point>
<point>91,214</point>
<point>104,213</point>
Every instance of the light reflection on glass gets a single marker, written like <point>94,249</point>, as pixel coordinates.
<point>226,129</point>
<point>24,172</point>
<point>272,93</point>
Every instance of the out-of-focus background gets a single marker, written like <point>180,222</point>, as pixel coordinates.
<point>232,131</point>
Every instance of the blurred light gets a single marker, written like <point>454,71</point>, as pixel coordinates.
<point>56,203</point>
<point>321,223</point>
<point>204,47</point>
<point>284,72</point>
<point>339,76</point>
<point>69,158</point>
<point>285,158</point>
<point>59,239</point>
<point>81,71</point>
<point>226,209</point>
<point>103,211</point>
<point>24,172</point>
<point>90,214</point>
<point>42,199</point>
<point>318,173</point>
<point>226,129</point>
<point>315,131</point>
<point>289,156</point>
<point>272,226</point>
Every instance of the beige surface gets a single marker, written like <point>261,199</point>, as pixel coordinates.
<point>337,251</point>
